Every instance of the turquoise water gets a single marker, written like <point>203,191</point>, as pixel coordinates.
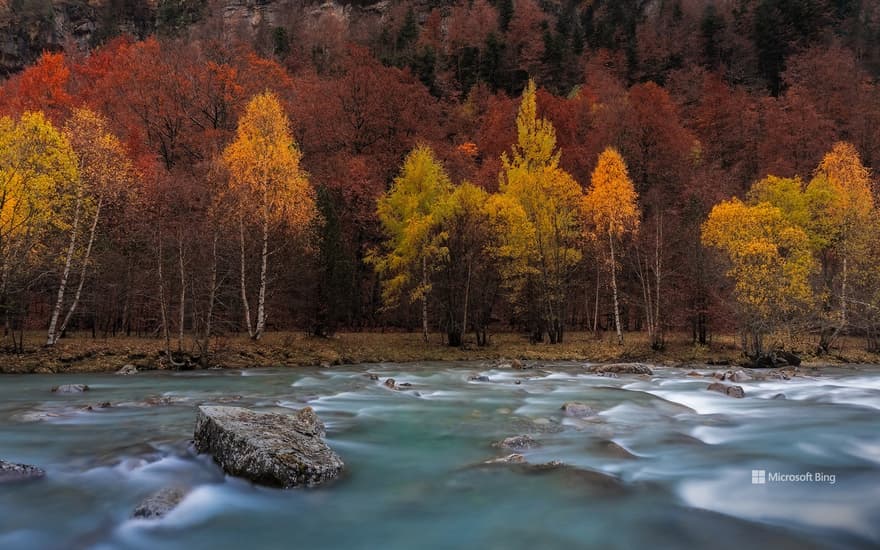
<point>678,474</point>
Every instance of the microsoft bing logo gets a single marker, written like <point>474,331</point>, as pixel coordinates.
<point>759,477</point>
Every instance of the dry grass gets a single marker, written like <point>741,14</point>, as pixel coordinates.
<point>81,353</point>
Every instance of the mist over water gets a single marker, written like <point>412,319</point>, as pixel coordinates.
<point>664,464</point>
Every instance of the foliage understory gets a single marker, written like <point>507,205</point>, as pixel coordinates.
<point>82,353</point>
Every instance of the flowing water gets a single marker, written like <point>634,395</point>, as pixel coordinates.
<point>666,464</point>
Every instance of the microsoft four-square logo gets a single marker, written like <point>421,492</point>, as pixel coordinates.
<point>759,477</point>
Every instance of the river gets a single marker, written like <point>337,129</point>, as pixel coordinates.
<point>665,464</point>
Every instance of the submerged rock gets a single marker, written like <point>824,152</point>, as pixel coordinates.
<point>517,443</point>
<point>373,376</point>
<point>578,410</point>
<point>621,368</point>
<point>390,383</point>
<point>738,375</point>
<point>778,396</point>
<point>159,504</point>
<point>730,391</point>
<point>514,458</point>
<point>11,472</point>
<point>70,388</point>
<point>127,370</point>
<point>278,450</point>
<point>480,378</point>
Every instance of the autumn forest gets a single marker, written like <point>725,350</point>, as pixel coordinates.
<point>457,170</point>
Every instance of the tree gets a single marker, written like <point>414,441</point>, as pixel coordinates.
<point>104,171</point>
<point>841,199</point>
<point>36,165</point>
<point>610,203</point>
<point>551,199</point>
<point>408,214</point>
<point>269,185</point>
<point>770,263</point>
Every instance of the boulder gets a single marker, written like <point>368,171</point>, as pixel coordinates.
<point>738,375</point>
<point>278,450</point>
<point>621,368</point>
<point>775,359</point>
<point>11,472</point>
<point>577,410</point>
<point>127,370</point>
<point>480,378</point>
<point>158,504</point>
<point>517,364</point>
<point>730,391</point>
<point>70,388</point>
<point>390,383</point>
<point>517,443</point>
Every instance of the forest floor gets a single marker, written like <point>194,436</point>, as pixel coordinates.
<point>82,353</point>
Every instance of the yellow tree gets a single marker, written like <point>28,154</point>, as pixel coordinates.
<point>408,213</point>
<point>551,200</point>
<point>842,210</point>
<point>36,165</point>
<point>269,186</point>
<point>481,240</point>
<point>104,171</point>
<point>770,262</point>
<point>610,205</point>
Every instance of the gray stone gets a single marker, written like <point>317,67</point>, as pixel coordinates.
<point>127,370</point>
<point>11,472</point>
<point>480,378</point>
<point>509,459</point>
<point>159,504</point>
<point>577,410</point>
<point>517,443</point>
<point>730,391</point>
<point>70,388</point>
<point>621,368</point>
<point>278,450</point>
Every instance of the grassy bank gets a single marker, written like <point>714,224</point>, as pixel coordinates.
<point>82,353</point>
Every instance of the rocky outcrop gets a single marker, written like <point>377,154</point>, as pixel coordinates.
<point>159,504</point>
<point>12,472</point>
<point>776,359</point>
<point>278,450</point>
<point>621,368</point>
<point>127,370</point>
<point>517,443</point>
<point>730,391</point>
<point>70,388</point>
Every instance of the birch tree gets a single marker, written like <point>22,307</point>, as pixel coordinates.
<point>611,206</point>
<point>104,171</point>
<point>270,187</point>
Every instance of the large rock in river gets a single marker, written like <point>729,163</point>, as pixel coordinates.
<point>621,368</point>
<point>10,471</point>
<point>279,450</point>
<point>159,504</point>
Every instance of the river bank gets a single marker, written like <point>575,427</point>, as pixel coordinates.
<point>82,353</point>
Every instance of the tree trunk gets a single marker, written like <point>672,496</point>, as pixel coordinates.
<point>467,289</point>
<point>53,334</point>
<point>212,293</point>
<point>614,292</point>
<point>596,303</point>
<point>82,272</point>
<point>182,268</point>
<point>425,299</point>
<point>244,300</point>
<point>264,266</point>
